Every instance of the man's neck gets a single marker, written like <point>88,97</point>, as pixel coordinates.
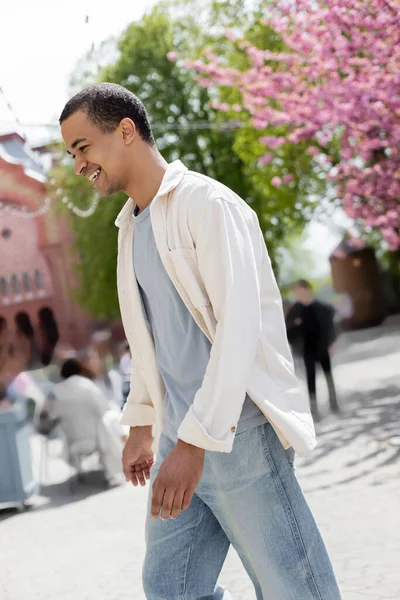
<point>144,188</point>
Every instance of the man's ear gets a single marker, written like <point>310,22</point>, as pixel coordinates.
<point>128,130</point>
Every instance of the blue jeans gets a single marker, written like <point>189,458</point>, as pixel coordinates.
<point>251,499</point>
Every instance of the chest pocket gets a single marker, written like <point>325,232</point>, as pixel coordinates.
<point>188,274</point>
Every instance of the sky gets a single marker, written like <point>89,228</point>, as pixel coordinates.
<point>41,43</point>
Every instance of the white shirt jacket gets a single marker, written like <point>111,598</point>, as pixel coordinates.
<point>212,248</point>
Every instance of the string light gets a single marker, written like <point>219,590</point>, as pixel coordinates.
<point>82,212</point>
<point>24,213</point>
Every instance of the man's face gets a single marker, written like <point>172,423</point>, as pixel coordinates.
<point>98,156</point>
<point>301,294</point>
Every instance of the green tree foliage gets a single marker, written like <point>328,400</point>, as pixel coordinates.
<point>95,241</point>
<point>186,127</point>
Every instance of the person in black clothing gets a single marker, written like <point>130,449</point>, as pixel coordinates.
<point>311,333</point>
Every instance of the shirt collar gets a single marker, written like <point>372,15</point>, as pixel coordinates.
<point>172,178</point>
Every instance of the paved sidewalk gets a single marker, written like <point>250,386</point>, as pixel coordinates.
<point>89,546</point>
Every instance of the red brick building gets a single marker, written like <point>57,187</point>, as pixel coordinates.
<point>36,264</point>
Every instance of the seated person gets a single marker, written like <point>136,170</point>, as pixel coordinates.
<point>110,385</point>
<point>125,369</point>
<point>82,410</point>
<point>109,381</point>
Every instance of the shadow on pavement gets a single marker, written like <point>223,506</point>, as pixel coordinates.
<point>374,417</point>
<point>365,344</point>
<point>56,495</point>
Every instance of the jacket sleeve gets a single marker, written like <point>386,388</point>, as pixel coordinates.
<point>138,409</point>
<point>292,327</point>
<point>295,333</point>
<point>331,328</point>
<point>228,266</point>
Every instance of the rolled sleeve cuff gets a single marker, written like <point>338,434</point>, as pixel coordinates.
<point>138,415</point>
<point>193,432</point>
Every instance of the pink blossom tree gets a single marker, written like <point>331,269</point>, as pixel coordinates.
<point>335,85</point>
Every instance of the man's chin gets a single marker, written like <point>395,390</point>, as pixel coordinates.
<point>109,192</point>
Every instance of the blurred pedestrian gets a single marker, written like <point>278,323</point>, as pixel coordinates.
<point>203,316</point>
<point>311,333</point>
<point>108,380</point>
<point>110,385</point>
<point>125,367</point>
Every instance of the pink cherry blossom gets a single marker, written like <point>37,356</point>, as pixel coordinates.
<point>287,178</point>
<point>313,150</point>
<point>231,35</point>
<point>338,80</point>
<point>265,160</point>
<point>276,181</point>
<point>273,142</point>
<point>172,56</point>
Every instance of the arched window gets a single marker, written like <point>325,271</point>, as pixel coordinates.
<point>15,284</point>
<point>26,281</point>
<point>49,329</point>
<point>3,286</point>
<point>6,233</point>
<point>38,280</point>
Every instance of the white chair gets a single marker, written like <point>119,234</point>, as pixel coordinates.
<point>81,407</point>
<point>80,444</point>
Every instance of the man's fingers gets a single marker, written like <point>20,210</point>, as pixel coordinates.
<point>177,504</point>
<point>187,498</point>
<point>146,470</point>
<point>140,475</point>
<point>137,473</point>
<point>156,499</point>
<point>127,471</point>
<point>167,503</point>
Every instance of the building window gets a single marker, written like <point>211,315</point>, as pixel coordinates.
<point>15,284</point>
<point>38,280</point>
<point>3,286</point>
<point>6,233</point>
<point>26,281</point>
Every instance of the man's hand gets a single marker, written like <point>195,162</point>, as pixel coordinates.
<point>177,480</point>
<point>137,456</point>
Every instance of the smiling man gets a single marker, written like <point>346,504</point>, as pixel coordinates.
<point>212,375</point>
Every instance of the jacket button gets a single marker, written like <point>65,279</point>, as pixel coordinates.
<point>233,429</point>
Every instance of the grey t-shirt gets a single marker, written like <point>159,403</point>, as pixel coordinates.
<point>182,349</point>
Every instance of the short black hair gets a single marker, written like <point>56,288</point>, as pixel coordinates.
<point>106,104</point>
<point>303,283</point>
<point>71,367</point>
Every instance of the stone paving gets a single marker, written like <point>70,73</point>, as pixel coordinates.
<point>89,545</point>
